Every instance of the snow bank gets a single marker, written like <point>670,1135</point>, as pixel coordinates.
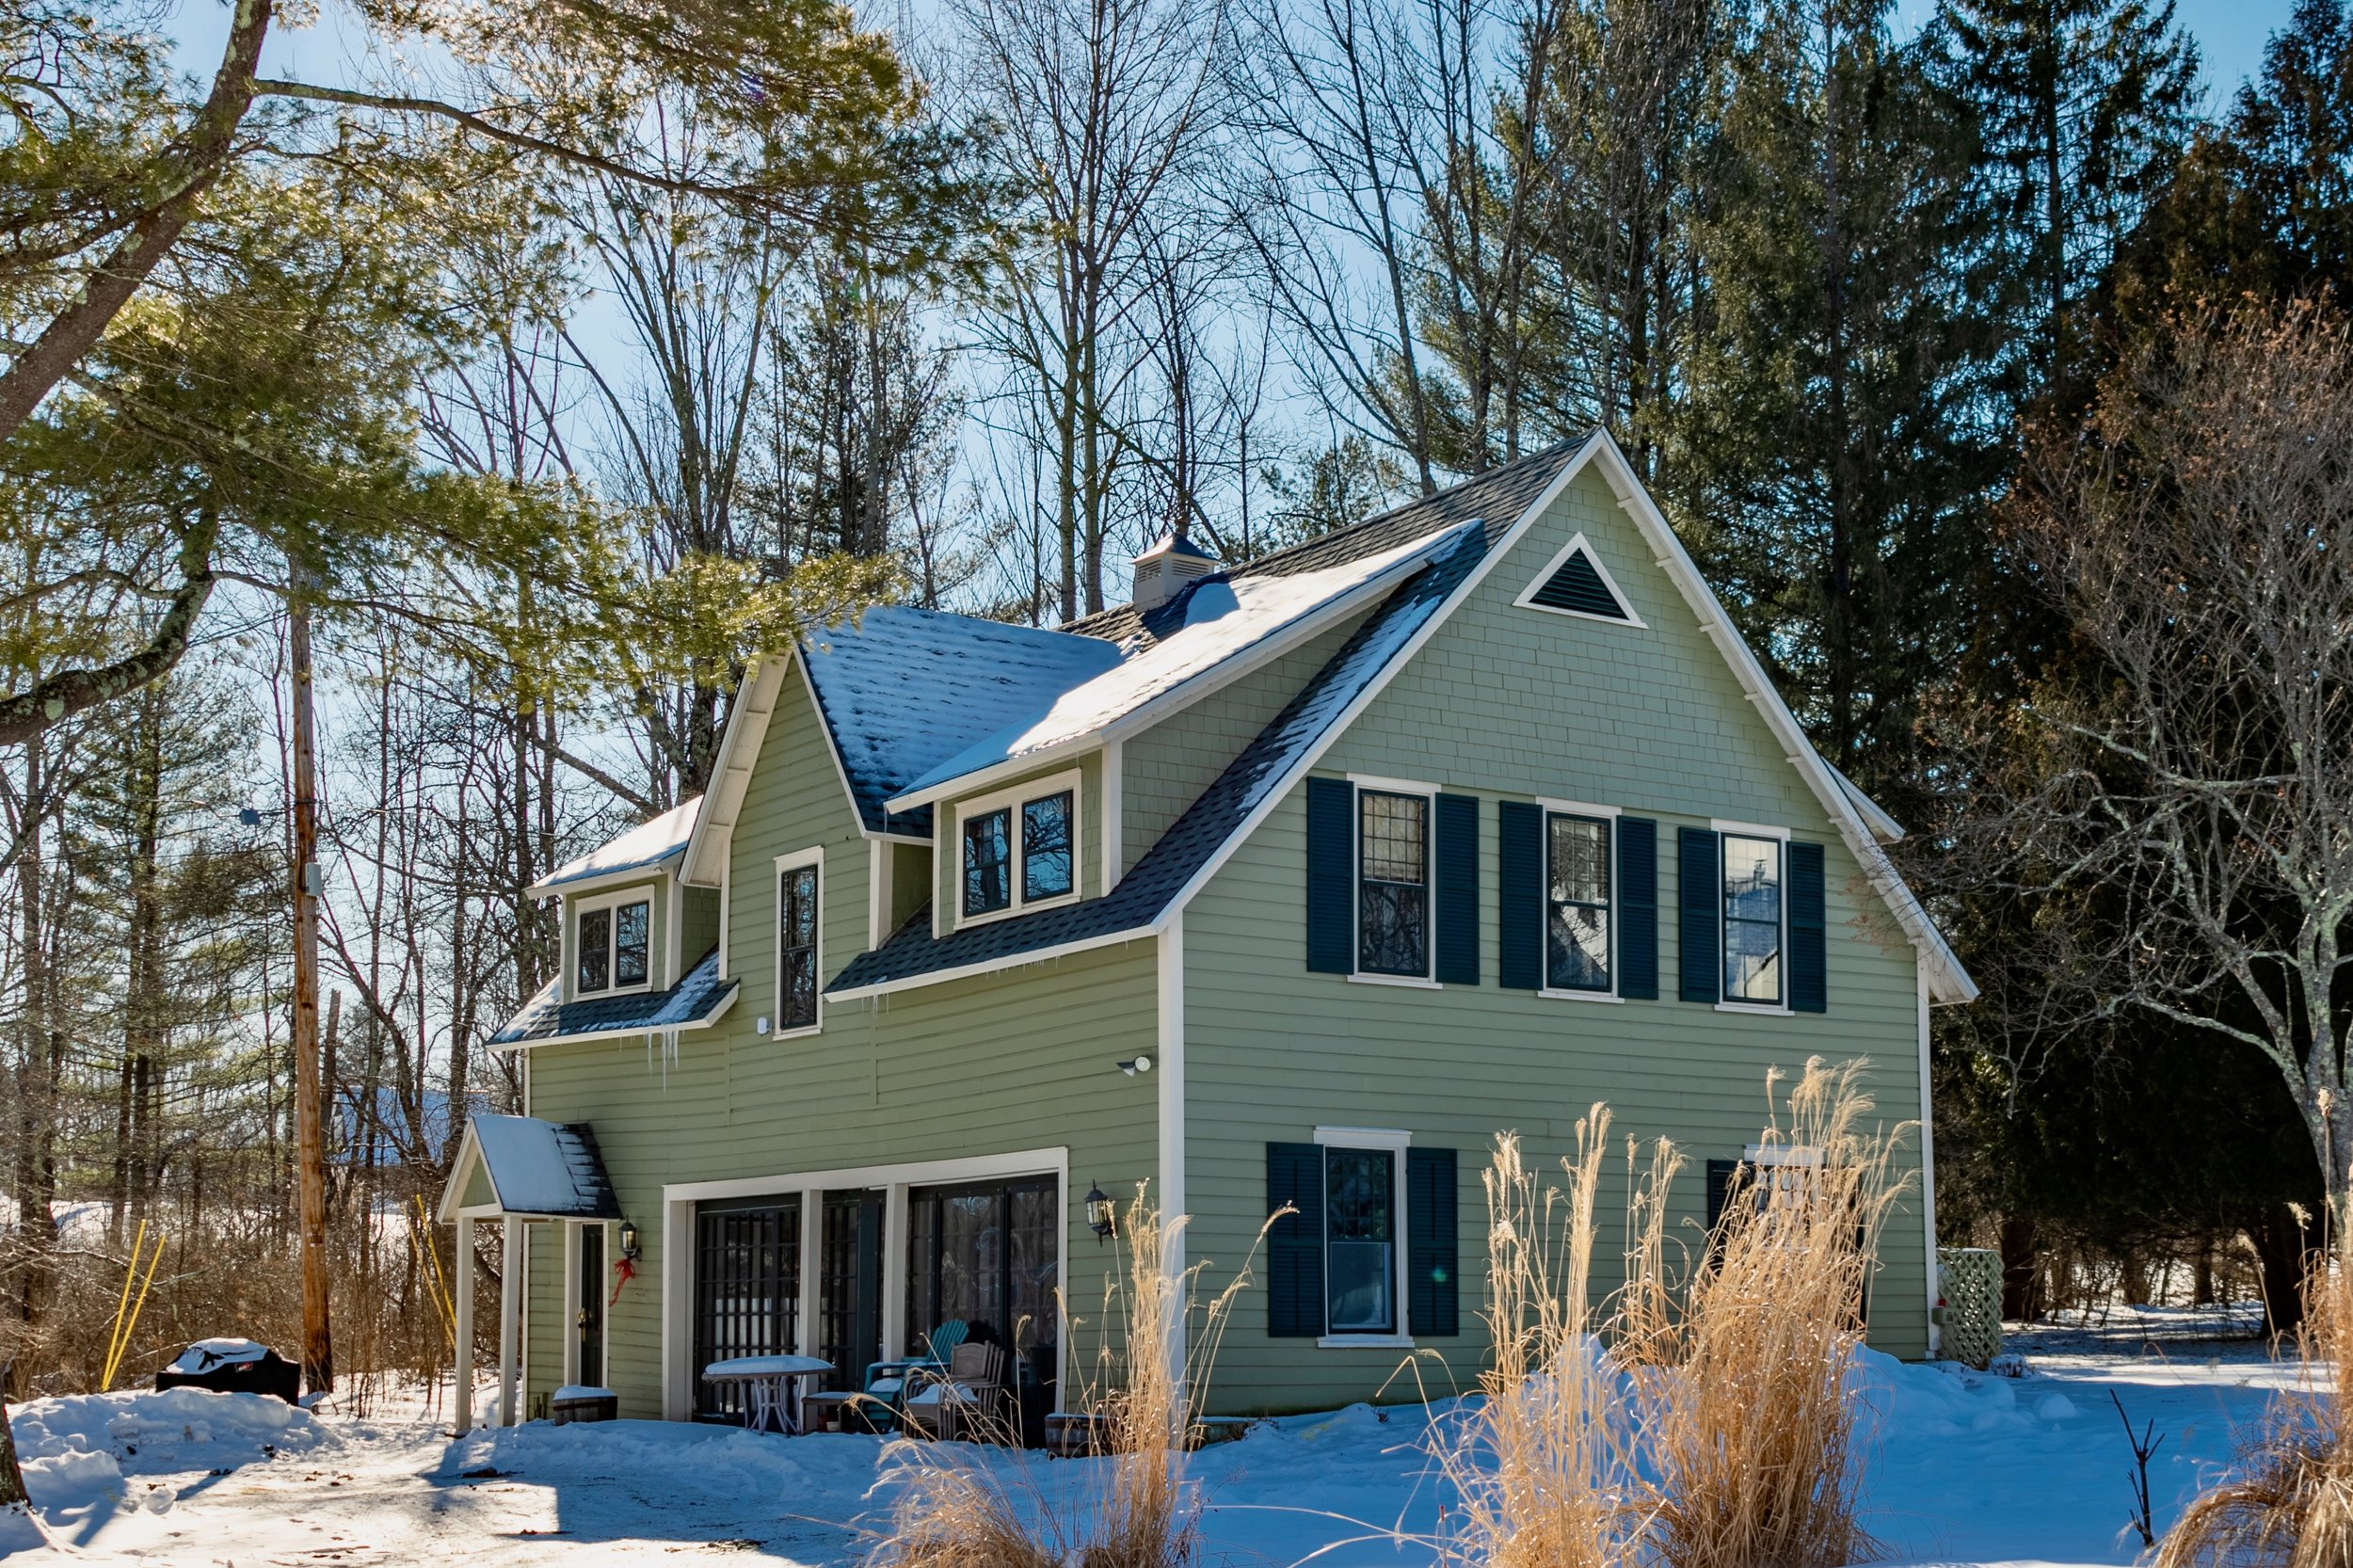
<point>78,1449</point>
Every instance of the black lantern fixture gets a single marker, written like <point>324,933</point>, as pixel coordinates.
<point>629,1239</point>
<point>1102,1215</point>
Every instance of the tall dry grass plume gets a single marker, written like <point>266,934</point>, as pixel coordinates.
<point>1544,1467</point>
<point>2288,1501</point>
<point>959,1506</point>
<point>1746,1421</point>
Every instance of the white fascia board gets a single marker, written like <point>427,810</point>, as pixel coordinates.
<point>1193,689</point>
<point>709,1018</point>
<point>656,870</point>
<point>449,1210</point>
<point>1949,978</point>
<point>731,773</point>
<point>1011,961</point>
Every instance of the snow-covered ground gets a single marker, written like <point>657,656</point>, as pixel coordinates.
<point>1962,1468</point>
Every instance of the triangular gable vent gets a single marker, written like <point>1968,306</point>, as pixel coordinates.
<point>1574,583</point>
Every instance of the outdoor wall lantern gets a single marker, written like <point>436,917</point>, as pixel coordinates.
<point>1102,1213</point>
<point>629,1239</point>
<point>1131,1065</point>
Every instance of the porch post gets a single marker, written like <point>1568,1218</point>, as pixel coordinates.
<point>510,1320</point>
<point>463,1357</point>
<point>894,1281</point>
<point>807,1330</point>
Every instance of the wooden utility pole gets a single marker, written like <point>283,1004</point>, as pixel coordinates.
<point>318,1342</point>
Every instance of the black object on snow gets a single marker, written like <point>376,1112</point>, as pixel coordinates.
<point>211,1364</point>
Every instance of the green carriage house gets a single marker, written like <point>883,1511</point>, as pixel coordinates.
<point>1285,884</point>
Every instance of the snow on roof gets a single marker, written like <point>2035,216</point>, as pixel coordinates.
<point>646,844</point>
<point>543,1168</point>
<point>904,688</point>
<point>1222,619</point>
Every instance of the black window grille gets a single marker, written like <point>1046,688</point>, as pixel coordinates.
<point>747,1290</point>
<point>796,949</point>
<point>1393,884</point>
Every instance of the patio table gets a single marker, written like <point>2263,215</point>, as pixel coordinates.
<point>769,1381</point>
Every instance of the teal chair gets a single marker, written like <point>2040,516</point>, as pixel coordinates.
<point>883,1399</point>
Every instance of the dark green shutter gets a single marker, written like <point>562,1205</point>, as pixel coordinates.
<point>1433,1283</point>
<point>1809,958</point>
<point>1700,934</point>
<point>1331,876</point>
<point>1720,1178</point>
<point>1295,1244</point>
<point>1457,866</point>
<point>1520,907</point>
<point>1638,908</point>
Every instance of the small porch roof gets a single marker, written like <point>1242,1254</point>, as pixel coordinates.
<point>522,1168</point>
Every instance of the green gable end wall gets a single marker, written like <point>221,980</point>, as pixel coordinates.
<point>1510,703</point>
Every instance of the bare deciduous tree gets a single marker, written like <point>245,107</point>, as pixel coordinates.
<point>2186,773</point>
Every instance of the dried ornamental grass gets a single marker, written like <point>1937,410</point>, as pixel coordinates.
<point>1544,1467</point>
<point>2288,1502</point>
<point>1138,1509</point>
<point>1745,1409</point>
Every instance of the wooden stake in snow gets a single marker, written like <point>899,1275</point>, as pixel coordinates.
<point>318,1345</point>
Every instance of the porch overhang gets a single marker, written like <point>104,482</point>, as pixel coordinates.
<point>524,1168</point>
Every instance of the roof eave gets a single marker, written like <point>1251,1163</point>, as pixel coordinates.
<point>726,999</point>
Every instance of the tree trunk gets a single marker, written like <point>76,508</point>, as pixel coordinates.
<point>2022,1270</point>
<point>318,1350</point>
<point>2280,1242</point>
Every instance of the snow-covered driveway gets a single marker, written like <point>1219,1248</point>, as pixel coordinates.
<point>1964,1468</point>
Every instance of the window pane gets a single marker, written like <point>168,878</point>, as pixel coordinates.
<point>1393,896</point>
<point>1392,838</point>
<point>1751,879</point>
<point>1577,925</point>
<point>1577,949</point>
<point>1580,860</point>
<point>1045,847</point>
<point>1752,919</point>
<point>595,944</point>
<point>629,923</point>
<point>988,861</point>
<point>796,949</point>
<point>1360,1240</point>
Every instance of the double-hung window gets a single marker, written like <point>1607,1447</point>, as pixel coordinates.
<point>800,880</point>
<point>612,946</point>
<point>1392,883</point>
<point>1577,900</point>
<point>1360,1240</point>
<point>1752,909</point>
<point>1020,848</point>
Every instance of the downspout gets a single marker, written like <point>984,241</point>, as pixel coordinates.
<point>1171,1074</point>
<point>1927,1162</point>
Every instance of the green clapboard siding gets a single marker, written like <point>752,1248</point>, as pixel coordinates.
<point>1010,1062</point>
<point>1515,705</point>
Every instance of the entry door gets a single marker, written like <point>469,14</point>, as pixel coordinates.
<point>849,1324</point>
<point>589,1323</point>
<point>747,1290</point>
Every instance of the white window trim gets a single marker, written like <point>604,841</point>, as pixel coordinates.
<point>589,905</point>
<point>1544,905</point>
<point>1427,979</point>
<point>1527,595</point>
<point>1397,1141</point>
<point>794,862</point>
<point>1019,795</point>
<point>1725,1004</point>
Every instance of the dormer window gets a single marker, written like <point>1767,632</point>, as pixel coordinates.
<point>1020,848</point>
<point>612,947</point>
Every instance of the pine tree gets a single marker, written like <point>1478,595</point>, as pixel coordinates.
<point>2083,107</point>
<point>1826,455</point>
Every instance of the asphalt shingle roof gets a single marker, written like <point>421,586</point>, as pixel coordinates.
<point>545,1017</point>
<point>1264,766</point>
